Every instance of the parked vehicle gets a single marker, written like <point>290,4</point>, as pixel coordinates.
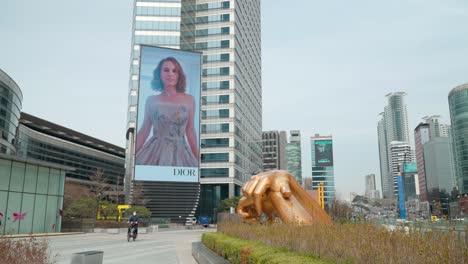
<point>204,220</point>
<point>191,221</point>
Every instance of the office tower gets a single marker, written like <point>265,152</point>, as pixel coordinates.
<point>228,35</point>
<point>458,104</point>
<point>421,136</point>
<point>437,166</point>
<point>274,150</point>
<point>428,131</point>
<point>322,165</point>
<point>283,143</point>
<point>393,126</point>
<point>371,191</point>
<point>293,155</point>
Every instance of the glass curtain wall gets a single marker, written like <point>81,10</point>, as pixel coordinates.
<point>31,198</point>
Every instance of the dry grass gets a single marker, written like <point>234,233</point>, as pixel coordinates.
<point>20,251</point>
<point>356,243</point>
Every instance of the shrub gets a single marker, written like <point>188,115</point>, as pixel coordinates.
<point>243,251</point>
<point>19,251</point>
<point>107,209</point>
<point>142,211</point>
<point>84,207</point>
<point>356,243</point>
<point>226,204</point>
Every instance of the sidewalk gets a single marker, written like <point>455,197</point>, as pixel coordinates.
<point>40,234</point>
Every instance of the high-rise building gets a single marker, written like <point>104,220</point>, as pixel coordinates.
<point>424,133</point>
<point>293,155</point>
<point>393,126</point>
<point>421,136</point>
<point>458,104</point>
<point>371,191</point>
<point>400,153</point>
<point>274,150</point>
<point>283,143</point>
<point>228,35</point>
<point>323,165</point>
<point>437,166</point>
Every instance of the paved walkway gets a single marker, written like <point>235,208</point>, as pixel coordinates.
<point>158,247</point>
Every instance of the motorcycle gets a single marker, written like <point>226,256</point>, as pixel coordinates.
<point>132,233</point>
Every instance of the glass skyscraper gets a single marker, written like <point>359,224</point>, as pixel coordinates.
<point>323,166</point>
<point>228,35</point>
<point>458,103</point>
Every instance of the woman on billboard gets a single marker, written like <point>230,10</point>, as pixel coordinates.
<point>170,115</point>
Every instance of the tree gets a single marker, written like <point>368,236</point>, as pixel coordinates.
<point>108,209</point>
<point>84,207</point>
<point>138,196</point>
<point>142,211</point>
<point>340,209</point>
<point>361,199</point>
<point>74,191</point>
<point>116,191</point>
<point>99,184</point>
<point>226,204</point>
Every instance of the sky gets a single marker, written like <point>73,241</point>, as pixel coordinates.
<point>326,67</point>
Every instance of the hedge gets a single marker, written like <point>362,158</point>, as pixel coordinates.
<point>239,251</point>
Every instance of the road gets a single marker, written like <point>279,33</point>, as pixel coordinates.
<point>159,247</point>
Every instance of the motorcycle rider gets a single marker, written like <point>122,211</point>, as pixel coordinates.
<point>133,221</point>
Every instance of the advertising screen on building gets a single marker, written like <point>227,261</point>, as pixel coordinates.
<point>323,152</point>
<point>410,167</point>
<point>168,115</point>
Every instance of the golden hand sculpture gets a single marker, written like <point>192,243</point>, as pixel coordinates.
<point>277,192</point>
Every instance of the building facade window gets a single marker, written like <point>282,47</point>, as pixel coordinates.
<point>215,128</point>
<point>215,99</point>
<point>214,172</point>
<point>216,113</point>
<point>215,143</point>
<point>216,57</point>
<point>212,18</point>
<point>216,85</point>
<point>215,157</point>
<point>212,31</point>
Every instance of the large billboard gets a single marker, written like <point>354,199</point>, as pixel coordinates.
<point>168,115</point>
<point>323,153</point>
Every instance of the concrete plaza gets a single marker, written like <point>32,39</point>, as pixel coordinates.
<point>159,247</point>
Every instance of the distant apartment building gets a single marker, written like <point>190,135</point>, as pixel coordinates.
<point>392,127</point>
<point>323,165</point>
<point>274,150</point>
<point>293,155</point>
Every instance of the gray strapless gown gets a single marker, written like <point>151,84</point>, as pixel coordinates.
<point>168,146</point>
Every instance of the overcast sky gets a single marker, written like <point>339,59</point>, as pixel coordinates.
<point>327,66</point>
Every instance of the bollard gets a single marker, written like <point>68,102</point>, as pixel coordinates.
<point>87,257</point>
